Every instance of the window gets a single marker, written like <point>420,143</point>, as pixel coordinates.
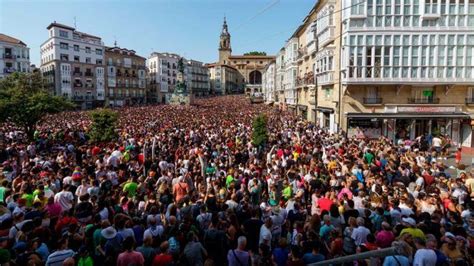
<point>88,50</point>
<point>63,33</point>
<point>88,60</point>
<point>76,58</point>
<point>63,45</point>
<point>98,61</point>
<point>357,7</point>
<point>431,6</point>
<point>76,47</point>
<point>64,57</point>
<point>98,51</point>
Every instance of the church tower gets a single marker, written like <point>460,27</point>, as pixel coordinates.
<point>224,45</point>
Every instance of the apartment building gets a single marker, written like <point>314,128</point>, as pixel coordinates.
<point>268,83</point>
<point>163,69</point>
<point>14,56</point>
<point>279,78</point>
<point>224,79</point>
<point>72,62</point>
<point>125,77</point>
<point>407,68</point>
<point>291,73</point>
<point>196,75</point>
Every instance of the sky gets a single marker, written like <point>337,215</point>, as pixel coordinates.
<point>190,28</point>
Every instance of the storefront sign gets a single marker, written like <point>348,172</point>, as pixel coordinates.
<point>426,109</point>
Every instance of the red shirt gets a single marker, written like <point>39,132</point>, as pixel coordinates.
<point>162,260</point>
<point>325,204</point>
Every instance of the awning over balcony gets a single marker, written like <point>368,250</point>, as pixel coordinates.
<point>325,110</point>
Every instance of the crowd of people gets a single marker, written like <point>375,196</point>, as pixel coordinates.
<point>184,185</point>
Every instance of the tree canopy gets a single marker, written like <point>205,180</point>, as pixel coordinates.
<point>104,122</point>
<point>255,53</point>
<point>25,101</point>
<point>259,131</point>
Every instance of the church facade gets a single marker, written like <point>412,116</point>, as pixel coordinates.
<point>236,73</point>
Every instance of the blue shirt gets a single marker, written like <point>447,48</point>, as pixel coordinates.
<point>391,261</point>
<point>309,258</point>
<point>280,256</point>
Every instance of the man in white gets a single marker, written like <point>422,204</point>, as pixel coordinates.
<point>437,145</point>
<point>423,255</point>
<point>266,233</point>
<point>65,198</point>
<point>360,233</point>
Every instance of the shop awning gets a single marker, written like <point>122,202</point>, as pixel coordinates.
<point>303,107</point>
<point>325,109</point>
<point>408,115</point>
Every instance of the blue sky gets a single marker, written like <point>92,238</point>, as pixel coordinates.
<point>188,27</point>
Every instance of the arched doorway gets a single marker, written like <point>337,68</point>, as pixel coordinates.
<point>255,77</point>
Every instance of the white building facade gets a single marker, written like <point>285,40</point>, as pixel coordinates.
<point>196,75</point>
<point>163,69</point>
<point>407,68</point>
<point>72,62</point>
<point>268,83</point>
<point>291,72</point>
<point>14,56</point>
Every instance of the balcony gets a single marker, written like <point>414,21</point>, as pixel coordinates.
<point>325,78</point>
<point>119,74</point>
<point>8,70</point>
<point>8,56</point>
<point>372,101</point>
<point>77,85</point>
<point>470,100</point>
<point>77,73</point>
<point>306,80</point>
<point>89,74</point>
<point>301,53</point>
<point>423,100</point>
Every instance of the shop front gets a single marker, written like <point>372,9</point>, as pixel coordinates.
<point>402,122</point>
<point>326,118</point>
<point>303,111</point>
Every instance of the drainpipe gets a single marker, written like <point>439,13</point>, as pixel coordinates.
<point>316,39</point>
<point>340,83</point>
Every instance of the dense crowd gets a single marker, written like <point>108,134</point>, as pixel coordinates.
<point>184,185</point>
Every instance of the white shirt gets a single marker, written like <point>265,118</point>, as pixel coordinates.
<point>424,257</point>
<point>265,234</point>
<point>436,142</point>
<point>359,235</point>
<point>64,198</point>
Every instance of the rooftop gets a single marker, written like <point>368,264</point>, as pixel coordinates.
<point>10,39</point>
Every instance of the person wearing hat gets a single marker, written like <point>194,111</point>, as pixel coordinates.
<point>112,246</point>
<point>411,228</point>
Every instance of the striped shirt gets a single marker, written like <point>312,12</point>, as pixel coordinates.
<point>57,258</point>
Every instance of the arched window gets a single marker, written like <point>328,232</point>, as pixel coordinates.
<point>255,77</point>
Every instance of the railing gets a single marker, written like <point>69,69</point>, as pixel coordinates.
<point>77,85</point>
<point>423,100</point>
<point>8,70</point>
<point>469,100</point>
<point>119,74</point>
<point>77,73</point>
<point>89,74</point>
<point>325,78</point>
<point>374,256</point>
<point>8,56</point>
<point>372,100</point>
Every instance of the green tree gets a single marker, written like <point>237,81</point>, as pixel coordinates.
<point>255,53</point>
<point>24,100</point>
<point>104,122</point>
<point>259,131</point>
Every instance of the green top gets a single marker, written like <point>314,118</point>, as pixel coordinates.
<point>29,199</point>
<point>87,261</point>
<point>287,192</point>
<point>369,157</point>
<point>228,180</point>
<point>131,188</point>
<point>2,194</point>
